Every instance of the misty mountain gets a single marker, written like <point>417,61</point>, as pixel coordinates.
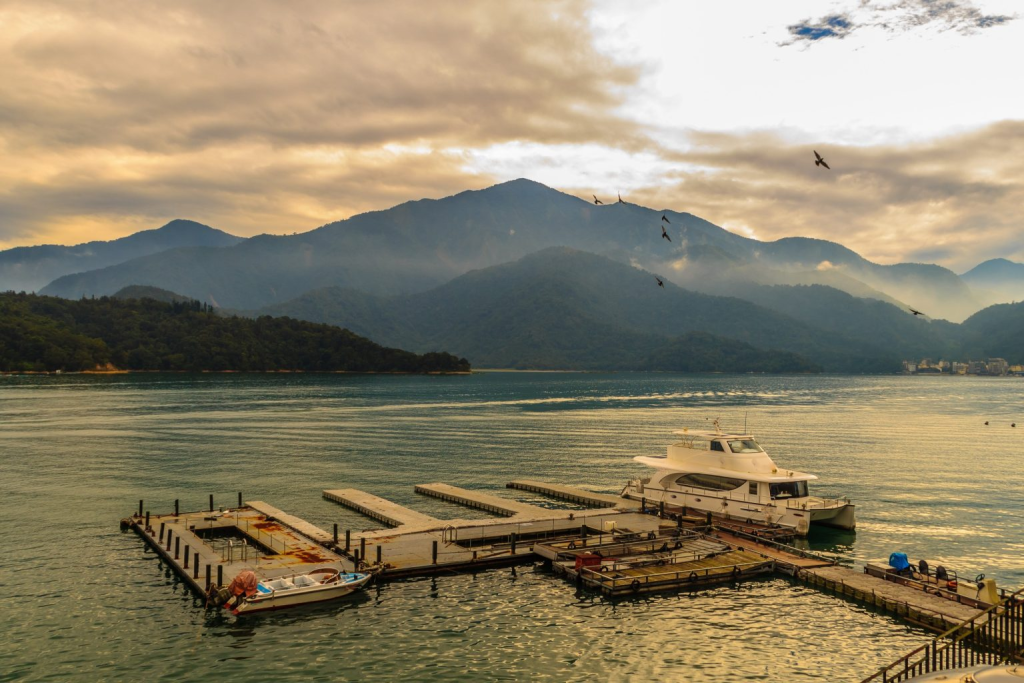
<point>30,268</point>
<point>419,245</point>
<point>998,280</point>
<point>562,308</point>
<point>995,332</point>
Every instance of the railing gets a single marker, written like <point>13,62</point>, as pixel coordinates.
<point>692,575</point>
<point>806,554</point>
<point>995,636</point>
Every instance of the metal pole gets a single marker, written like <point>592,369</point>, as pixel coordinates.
<point>195,567</point>
<point>140,507</point>
<point>378,553</point>
<point>147,520</point>
<point>362,548</point>
<point>186,556</point>
<point>348,539</point>
<point>211,502</point>
<point>175,507</point>
<point>661,508</point>
<point>513,544</point>
<point>433,553</point>
<point>161,532</point>
<point>207,577</point>
<point>220,575</point>
<point>177,546</point>
<point>239,499</point>
<point>169,535</point>
<point>335,533</point>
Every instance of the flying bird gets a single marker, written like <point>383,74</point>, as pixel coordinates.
<point>620,199</point>
<point>819,161</point>
<point>665,218</point>
<point>986,423</point>
<point>665,234</point>
<point>660,283</point>
<point>915,312</point>
<point>597,201</point>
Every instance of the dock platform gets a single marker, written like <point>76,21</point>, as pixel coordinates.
<point>380,509</point>
<point>485,501</point>
<point>574,494</point>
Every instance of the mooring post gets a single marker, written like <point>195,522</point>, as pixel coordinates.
<point>220,575</point>
<point>513,544</point>
<point>170,534</point>
<point>161,531</point>
<point>140,507</point>
<point>643,505</point>
<point>348,539</point>
<point>362,548</point>
<point>433,553</point>
<point>147,521</point>
<point>177,546</point>
<point>186,556</point>
<point>211,502</point>
<point>175,507</point>
<point>378,553</point>
<point>207,577</point>
<point>195,567</point>
<point>335,533</point>
<point>239,499</point>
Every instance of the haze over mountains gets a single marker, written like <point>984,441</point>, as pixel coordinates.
<point>31,268</point>
<point>522,275</point>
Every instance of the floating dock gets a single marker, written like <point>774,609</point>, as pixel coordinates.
<point>615,547</point>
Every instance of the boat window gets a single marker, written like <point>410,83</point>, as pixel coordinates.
<point>709,482</point>
<point>752,488</point>
<point>744,446</point>
<point>717,446</point>
<point>789,489</point>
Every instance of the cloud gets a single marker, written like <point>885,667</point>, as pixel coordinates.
<point>304,112</point>
<point>896,17</point>
<point>955,199</point>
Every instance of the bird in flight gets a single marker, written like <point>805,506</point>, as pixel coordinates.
<point>819,161</point>
<point>665,218</point>
<point>597,201</point>
<point>660,283</point>
<point>620,199</point>
<point>915,311</point>
<point>665,234</point>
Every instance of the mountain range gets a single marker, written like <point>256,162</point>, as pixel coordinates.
<point>521,275</point>
<point>31,268</point>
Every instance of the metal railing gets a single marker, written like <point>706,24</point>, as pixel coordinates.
<point>994,636</point>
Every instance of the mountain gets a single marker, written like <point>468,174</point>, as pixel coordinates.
<point>39,333</point>
<point>30,268</point>
<point>562,308</point>
<point>419,245</point>
<point>998,279</point>
<point>154,293</point>
<point>995,332</point>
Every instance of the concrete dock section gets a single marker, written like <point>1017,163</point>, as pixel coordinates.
<point>574,494</point>
<point>485,501</point>
<point>308,530</point>
<point>381,509</point>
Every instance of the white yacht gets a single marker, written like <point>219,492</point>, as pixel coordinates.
<point>731,476</point>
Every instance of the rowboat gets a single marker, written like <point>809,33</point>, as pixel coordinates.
<point>319,585</point>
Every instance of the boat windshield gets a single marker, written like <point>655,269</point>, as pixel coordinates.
<point>789,489</point>
<point>744,446</point>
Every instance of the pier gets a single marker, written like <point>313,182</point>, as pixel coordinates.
<point>614,547</point>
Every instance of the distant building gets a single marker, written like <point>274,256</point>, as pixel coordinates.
<point>909,367</point>
<point>959,368</point>
<point>997,366</point>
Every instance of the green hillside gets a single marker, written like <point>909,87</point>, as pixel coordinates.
<point>39,333</point>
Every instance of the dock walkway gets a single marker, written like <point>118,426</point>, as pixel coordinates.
<point>308,530</point>
<point>486,501</point>
<point>574,494</point>
<point>380,509</point>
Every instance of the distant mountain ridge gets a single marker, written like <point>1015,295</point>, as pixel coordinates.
<point>31,268</point>
<point>1001,279</point>
<point>422,244</point>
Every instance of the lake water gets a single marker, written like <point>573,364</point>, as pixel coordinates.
<point>83,601</point>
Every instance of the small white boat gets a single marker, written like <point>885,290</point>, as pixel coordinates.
<point>731,476</point>
<point>319,585</point>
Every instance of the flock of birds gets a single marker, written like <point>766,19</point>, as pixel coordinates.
<point>1012,424</point>
<point>818,161</point>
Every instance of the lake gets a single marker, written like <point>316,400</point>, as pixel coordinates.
<point>83,601</point>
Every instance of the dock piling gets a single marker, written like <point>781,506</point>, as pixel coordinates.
<point>207,577</point>
<point>433,553</point>
<point>177,547</point>
<point>512,544</point>
<point>348,539</point>
<point>185,566</point>
<point>661,508</point>
<point>643,505</point>
<point>147,521</point>
<point>195,567</point>
<point>335,533</point>
<point>140,507</point>
<point>362,548</point>
<point>378,553</point>
<point>161,530</point>
<point>175,507</point>
<point>239,499</point>
<point>220,575</point>
<point>211,502</point>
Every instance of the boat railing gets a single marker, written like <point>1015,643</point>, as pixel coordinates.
<point>817,504</point>
<point>994,636</point>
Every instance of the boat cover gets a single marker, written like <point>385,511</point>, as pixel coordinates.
<point>898,561</point>
<point>243,584</point>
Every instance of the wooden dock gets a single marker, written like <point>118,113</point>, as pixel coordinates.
<point>574,494</point>
<point>380,509</point>
<point>485,501</point>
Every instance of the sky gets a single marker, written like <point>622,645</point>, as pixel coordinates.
<point>267,117</point>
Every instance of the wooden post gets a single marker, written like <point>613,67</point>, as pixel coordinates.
<point>186,556</point>
<point>147,521</point>
<point>169,534</point>
<point>335,533</point>
<point>211,502</point>
<point>362,548</point>
<point>177,546</point>
<point>207,577</point>
<point>512,544</point>
<point>433,553</point>
<point>348,539</point>
<point>378,553</point>
<point>195,567</point>
<point>161,532</point>
<point>220,575</point>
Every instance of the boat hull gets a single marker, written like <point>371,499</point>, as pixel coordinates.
<point>299,596</point>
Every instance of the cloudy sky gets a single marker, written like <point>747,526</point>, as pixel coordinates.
<point>261,116</point>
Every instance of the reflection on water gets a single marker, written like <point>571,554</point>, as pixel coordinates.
<point>84,601</point>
